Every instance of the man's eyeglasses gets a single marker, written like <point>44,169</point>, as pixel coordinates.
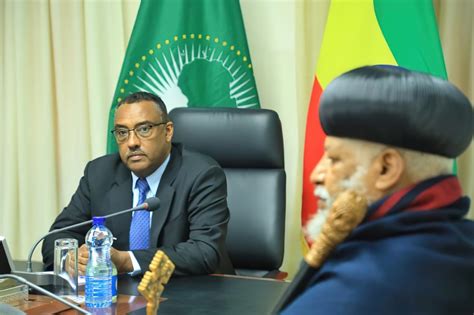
<point>143,131</point>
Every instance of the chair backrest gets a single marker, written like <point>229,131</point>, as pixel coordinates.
<point>248,144</point>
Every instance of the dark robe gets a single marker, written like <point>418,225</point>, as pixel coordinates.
<point>413,254</point>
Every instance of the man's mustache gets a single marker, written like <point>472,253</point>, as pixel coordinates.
<point>321,192</point>
<point>137,152</point>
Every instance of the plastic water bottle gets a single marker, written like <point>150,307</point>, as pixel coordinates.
<point>99,268</point>
<point>114,283</point>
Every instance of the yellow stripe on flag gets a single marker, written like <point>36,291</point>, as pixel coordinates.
<point>352,39</point>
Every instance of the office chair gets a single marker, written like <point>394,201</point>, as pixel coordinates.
<point>248,144</point>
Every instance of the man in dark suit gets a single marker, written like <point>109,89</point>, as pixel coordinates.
<point>191,224</point>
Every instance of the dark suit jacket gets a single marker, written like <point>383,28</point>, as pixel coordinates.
<point>190,226</point>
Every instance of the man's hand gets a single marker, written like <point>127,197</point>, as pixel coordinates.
<point>121,260</point>
<point>82,259</point>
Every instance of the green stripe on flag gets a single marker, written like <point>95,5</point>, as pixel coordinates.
<point>410,29</point>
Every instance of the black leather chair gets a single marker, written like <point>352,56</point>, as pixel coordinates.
<point>248,144</point>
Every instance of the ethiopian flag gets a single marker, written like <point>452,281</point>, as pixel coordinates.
<point>189,53</point>
<point>368,32</point>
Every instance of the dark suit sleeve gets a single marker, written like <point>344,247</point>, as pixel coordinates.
<point>208,216</point>
<point>77,211</point>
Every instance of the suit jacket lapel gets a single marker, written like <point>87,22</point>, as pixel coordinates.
<point>166,193</point>
<point>121,198</point>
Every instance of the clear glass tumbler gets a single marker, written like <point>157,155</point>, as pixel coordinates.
<point>65,266</point>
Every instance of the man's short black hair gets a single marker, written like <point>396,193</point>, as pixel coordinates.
<point>146,96</point>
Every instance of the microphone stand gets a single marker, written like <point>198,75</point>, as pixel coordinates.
<point>47,278</point>
<point>143,206</point>
<point>45,292</point>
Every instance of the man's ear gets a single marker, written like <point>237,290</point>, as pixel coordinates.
<point>390,167</point>
<point>169,131</point>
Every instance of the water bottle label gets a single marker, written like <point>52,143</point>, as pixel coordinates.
<point>98,291</point>
<point>114,288</point>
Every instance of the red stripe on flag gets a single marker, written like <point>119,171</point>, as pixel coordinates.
<point>313,151</point>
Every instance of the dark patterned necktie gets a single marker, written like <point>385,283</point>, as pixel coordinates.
<point>140,227</point>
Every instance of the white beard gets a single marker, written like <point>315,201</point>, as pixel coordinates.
<point>315,224</point>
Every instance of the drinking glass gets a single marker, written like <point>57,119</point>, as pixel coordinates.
<point>65,266</point>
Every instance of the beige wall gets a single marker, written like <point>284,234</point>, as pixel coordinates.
<point>59,62</point>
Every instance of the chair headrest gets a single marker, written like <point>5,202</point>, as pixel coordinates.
<point>235,138</point>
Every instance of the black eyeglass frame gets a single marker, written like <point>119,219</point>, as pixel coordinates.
<point>151,125</point>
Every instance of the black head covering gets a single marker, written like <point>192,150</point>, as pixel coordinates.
<point>398,107</point>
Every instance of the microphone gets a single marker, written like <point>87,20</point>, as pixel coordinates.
<point>150,204</point>
<point>45,292</point>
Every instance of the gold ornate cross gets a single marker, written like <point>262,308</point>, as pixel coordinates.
<point>153,281</point>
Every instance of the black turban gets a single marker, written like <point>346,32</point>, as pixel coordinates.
<point>398,107</point>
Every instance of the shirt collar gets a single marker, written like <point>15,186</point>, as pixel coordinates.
<point>154,178</point>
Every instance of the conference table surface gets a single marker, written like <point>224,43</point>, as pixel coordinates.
<point>208,294</point>
<point>217,294</point>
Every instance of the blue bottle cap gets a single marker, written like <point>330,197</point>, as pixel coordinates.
<point>98,220</point>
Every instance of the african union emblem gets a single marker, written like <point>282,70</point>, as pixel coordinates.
<point>195,70</point>
<point>190,53</point>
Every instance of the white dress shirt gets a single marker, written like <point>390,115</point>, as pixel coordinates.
<point>153,181</point>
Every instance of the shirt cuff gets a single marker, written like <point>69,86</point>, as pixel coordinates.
<point>136,266</point>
